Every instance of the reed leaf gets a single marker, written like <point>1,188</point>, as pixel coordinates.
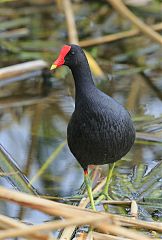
<point>18,180</point>
<point>49,160</point>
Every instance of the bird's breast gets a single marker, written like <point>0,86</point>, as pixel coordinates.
<point>100,135</point>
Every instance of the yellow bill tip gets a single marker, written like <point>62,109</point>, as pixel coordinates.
<point>53,66</point>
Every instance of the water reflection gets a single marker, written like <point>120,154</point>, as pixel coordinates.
<point>31,133</point>
<point>34,131</point>
<point>34,111</point>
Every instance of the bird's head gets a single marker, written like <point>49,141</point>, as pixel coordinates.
<point>70,55</point>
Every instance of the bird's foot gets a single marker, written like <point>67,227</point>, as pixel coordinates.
<point>107,197</point>
<point>103,196</point>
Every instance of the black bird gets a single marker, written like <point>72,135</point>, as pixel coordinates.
<point>100,130</point>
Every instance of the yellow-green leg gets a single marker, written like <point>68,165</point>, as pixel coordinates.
<point>89,189</point>
<point>105,194</point>
<point>109,176</point>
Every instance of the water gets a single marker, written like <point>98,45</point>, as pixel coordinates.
<point>34,116</point>
<point>35,131</point>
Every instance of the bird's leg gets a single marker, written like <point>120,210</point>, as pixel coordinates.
<point>109,176</point>
<point>89,188</point>
<point>104,194</point>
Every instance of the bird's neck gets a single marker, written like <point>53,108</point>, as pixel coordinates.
<point>83,80</point>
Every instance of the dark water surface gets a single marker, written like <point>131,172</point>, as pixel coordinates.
<point>35,131</point>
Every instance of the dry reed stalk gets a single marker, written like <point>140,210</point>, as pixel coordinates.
<point>53,225</point>
<point>115,36</point>
<point>99,186</point>
<point>60,209</point>
<point>6,222</point>
<point>71,26</point>
<point>68,232</point>
<point>134,209</point>
<point>142,224</point>
<point>116,202</point>
<point>73,36</point>
<point>136,222</point>
<point>149,136</point>
<point>123,10</point>
<point>97,71</point>
<point>105,227</point>
<point>18,69</point>
<point>82,236</point>
<point>21,32</point>
<point>134,92</point>
<point>19,102</point>
<point>44,205</point>
<point>120,231</point>
<point>95,191</point>
<point>102,236</point>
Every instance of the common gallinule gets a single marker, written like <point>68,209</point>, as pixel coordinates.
<point>100,130</point>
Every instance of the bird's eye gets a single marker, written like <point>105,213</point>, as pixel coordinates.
<point>72,52</point>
